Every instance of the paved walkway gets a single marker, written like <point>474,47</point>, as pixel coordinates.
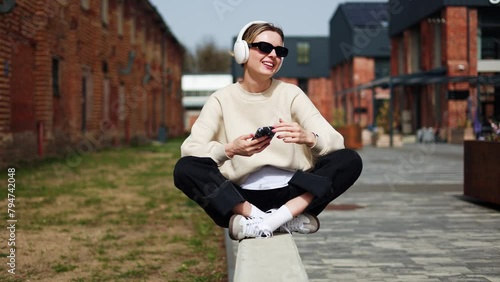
<point>405,220</point>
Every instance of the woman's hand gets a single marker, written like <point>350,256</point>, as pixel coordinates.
<point>245,146</point>
<point>292,132</point>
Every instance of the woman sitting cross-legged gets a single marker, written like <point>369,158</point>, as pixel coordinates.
<point>278,182</point>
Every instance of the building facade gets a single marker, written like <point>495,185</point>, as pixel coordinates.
<point>359,52</point>
<point>81,74</point>
<point>445,63</point>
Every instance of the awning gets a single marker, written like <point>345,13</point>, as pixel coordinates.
<point>437,76</point>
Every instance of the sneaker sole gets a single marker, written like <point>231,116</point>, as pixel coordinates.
<point>317,220</point>
<point>233,232</point>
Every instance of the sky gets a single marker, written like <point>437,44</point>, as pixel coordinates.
<point>194,22</point>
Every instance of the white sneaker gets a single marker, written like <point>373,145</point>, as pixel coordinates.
<point>303,223</point>
<point>241,227</point>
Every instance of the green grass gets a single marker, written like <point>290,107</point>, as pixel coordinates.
<point>113,215</point>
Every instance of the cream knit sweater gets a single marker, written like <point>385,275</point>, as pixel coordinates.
<point>231,112</point>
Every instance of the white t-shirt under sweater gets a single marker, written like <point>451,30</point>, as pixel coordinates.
<point>231,112</point>
<point>267,178</point>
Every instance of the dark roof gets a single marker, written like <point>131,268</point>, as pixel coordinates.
<point>407,13</point>
<point>359,29</point>
<point>361,14</point>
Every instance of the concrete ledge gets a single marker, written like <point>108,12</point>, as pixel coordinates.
<point>270,259</point>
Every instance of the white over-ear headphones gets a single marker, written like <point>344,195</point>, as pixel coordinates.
<point>241,50</point>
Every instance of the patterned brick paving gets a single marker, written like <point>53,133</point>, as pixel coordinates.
<point>415,227</point>
<point>411,223</point>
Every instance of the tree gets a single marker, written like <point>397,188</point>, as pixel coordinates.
<point>211,59</point>
<point>189,65</point>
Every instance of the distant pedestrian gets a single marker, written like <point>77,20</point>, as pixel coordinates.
<point>251,185</point>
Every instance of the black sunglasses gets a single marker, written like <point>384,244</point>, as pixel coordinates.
<point>268,48</point>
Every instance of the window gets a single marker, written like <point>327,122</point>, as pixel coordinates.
<point>148,47</point>
<point>85,4</point>
<point>303,53</point>
<point>105,92</point>
<point>169,87</point>
<point>106,95</point>
<point>437,45</point>
<point>104,12</point>
<point>489,48</point>
<point>87,97</point>
<point>382,68</point>
<point>479,43</point>
<point>415,50</point>
<point>437,103</point>
<point>132,30</point>
<point>401,55</point>
<point>488,35</point>
<point>56,91</point>
<point>145,103</point>
<point>119,15</point>
<point>144,32</point>
<point>122,113</point>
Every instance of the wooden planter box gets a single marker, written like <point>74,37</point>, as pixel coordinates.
<point>482,170</point>
<point>459,135</point>
<point>352,136</point>
<point>456,136</point>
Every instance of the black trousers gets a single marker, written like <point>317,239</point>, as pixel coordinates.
<point>201,180</point>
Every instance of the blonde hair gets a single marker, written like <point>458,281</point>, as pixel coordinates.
<point>256,29</point>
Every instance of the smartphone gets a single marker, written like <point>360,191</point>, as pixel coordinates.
<point>264,131</point>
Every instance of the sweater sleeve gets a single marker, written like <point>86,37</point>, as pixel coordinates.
<point>308,116</point>
<point>204,133</point>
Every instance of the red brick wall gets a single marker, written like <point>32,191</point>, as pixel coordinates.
<point>363,70</point>
<point>320,93</point>
<point>18,100</point>
<point>359,71</point>
<point>459,47</point>
<point>461,50</point>
<point>175,120</point>
<point>34,34</point>
<point>342,79</point>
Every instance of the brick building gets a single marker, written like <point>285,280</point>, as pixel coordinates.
<point>359,53</point>
<point>81,74</point>
<point>307,67</point>
<point>445,62</point>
